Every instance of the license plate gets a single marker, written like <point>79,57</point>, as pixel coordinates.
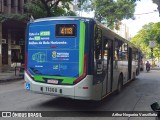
<point>52,81</point>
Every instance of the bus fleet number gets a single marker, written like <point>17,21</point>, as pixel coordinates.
<point>49,89</point>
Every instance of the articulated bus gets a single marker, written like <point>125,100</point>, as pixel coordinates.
<point>77,58</point>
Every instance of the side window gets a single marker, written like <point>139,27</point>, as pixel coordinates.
<point>121,51</point>
<point>101,54</point>
<point>98,52</point>
<point>105,53</point>
<point>134,54</point>
<point>124,51</point>
<point>105,49</point>
<point>98,44</point>
<point>118,50</point>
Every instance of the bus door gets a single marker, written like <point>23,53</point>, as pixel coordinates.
<point>108,66</point>
<point>129,63</point>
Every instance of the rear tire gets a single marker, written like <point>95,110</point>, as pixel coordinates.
<point>120,84</point>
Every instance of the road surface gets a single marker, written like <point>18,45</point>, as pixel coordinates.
<point>136,96</point>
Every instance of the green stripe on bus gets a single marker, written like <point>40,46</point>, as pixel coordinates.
<point>81,47</point>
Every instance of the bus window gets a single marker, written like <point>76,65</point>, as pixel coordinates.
<point>134,54</point>
<point>105,53</point>
<point>121,51</point>
<point>124,51</point>
<point>97,55</point>
<point>98,45</point>
<point>105,50</point>
<point>118,50</point>
<point>98,51</point>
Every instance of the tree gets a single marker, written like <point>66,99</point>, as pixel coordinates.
<point>42,8</point>
<point>48,8</point>
<point>148,32</point>
<point>81,2</point>
<point>18,17</point>
<point>113,11</point>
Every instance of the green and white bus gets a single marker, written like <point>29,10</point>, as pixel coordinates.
<point>78,58</point>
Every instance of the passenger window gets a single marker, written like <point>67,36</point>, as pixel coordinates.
<point>105,49</point>
<point>98,51</point>
<point>98,44</point>
<point>134,54</point>
<point>121,51</point>
<point>105,52</point>
<point>124,51</point>
<point>118,50</point>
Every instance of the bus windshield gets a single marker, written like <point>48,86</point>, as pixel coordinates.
<point>53,48</point>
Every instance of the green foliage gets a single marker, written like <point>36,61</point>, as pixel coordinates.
<point>62,12</point>
<point>113,11</point>
<point>48,8</point>
<point>80,2</point>
<point>17,17</point>
<point>35,8</point>
<point>148,33</point>
<point>155,32</point>
<point>42,8</point>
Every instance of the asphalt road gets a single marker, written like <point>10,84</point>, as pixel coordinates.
<point>136,96</point>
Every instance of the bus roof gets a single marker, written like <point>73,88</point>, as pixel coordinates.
<point>63,18</point>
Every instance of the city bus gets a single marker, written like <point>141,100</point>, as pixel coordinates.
<point>78,58</point>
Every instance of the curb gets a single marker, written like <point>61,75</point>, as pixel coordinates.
<point>10,80</point>
<point>155,68</point>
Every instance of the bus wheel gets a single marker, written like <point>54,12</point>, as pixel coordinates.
<point>120,84</point>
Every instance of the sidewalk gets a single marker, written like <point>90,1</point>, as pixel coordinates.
<point>155,68</point>
<point>7,74</point>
